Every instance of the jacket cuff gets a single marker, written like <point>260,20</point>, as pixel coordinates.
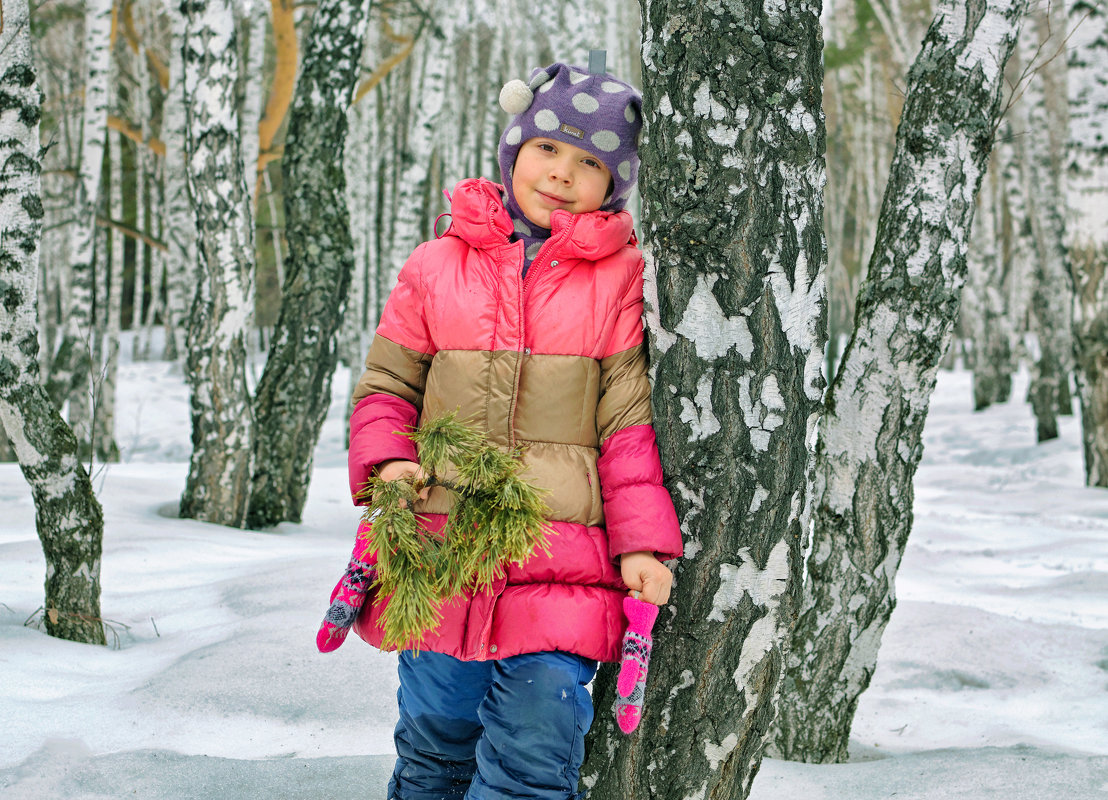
<point>377,429</point>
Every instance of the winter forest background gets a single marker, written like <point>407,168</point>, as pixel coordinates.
<point>203,214</point>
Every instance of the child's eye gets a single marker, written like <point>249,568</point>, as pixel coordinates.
<point>546,146</point>
<point>592,162</point>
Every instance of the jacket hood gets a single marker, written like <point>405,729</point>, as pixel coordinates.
<point>478,216</point>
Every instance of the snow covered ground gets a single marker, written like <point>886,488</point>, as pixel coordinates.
<point>992,680</point>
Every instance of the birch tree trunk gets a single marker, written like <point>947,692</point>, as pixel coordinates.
<point>390,139</point>
<point>1015,228</point>
<point>181,272</point>
<point>103,418</point>
<point>1086,199</point>
<point>295,389</point>
<point>147,207</point>
<point>870,435</point>
<point>988,323</point>
<point>732,173</point>
<point>1050,26</point>
<point>140,303</point>
<point>67,515</point>
<point>256,20</point>
<point>485,159</point>
<point>360,166</point>
<point>427,99</point>
<point>218,486</point>
<point>71,372</point>
<point>1053,294</point>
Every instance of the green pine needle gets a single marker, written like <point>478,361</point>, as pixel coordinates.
<point>497,519</point>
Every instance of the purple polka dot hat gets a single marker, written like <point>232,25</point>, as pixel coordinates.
<point>594,111</point>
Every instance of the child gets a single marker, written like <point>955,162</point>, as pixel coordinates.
<point>526,318</point>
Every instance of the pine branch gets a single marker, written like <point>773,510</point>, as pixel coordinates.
<point>497,519</point>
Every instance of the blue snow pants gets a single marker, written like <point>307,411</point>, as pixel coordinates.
<point>491,730</point>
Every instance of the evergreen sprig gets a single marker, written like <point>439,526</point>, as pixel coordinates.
<point>497,519</point>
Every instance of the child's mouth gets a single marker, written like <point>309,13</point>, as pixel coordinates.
<point>553,199</point>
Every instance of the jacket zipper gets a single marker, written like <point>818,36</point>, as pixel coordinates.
<point>547,250</point>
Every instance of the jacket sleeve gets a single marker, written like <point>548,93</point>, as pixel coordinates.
<point>389,396</point>
<point>638,510</point>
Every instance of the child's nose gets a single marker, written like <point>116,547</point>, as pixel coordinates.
<point>561,171</point>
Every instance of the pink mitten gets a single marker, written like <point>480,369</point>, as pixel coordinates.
<point>631,683</point>
<point>347,600</point>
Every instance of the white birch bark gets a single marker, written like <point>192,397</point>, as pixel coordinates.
<point>870,434</point>
<point>473,160</point>
<point>145,289</point>
<point>156,221</point>
<point>1015,226</point>
<point>135,66</point>
<point>428,96</point>
<point>360,166</point>
<point>107,363</point>
<point>221,467</point>
<point>256,19</point>
<point>984,315</point>
<point>67,516</point>
<point>1087,246</point>
<point>146,183</point>
<point>1053,293</point>
<point>451,144</point>
<point>71,376</point>
<point>181,272</point>
<point>486,163</point>
<point>390,138</point>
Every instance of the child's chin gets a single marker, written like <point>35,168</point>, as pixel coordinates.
<point>539,220</point>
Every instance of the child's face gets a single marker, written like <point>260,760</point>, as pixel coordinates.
<point>550,174</point>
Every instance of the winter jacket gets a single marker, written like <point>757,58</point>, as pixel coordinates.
<point>554,362</point>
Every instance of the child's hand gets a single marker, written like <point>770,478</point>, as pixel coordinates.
<point>648,576</point>
<point>397,468</point>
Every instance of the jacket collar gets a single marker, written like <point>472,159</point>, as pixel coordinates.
<point>479,218</point>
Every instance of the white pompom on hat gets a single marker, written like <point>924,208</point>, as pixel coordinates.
<point>516,97</point>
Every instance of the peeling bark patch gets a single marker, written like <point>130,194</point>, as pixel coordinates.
<point>712,332</point>
<point>764,585</point>
<point>715,753</point>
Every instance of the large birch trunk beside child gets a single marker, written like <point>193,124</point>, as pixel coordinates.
<point>733,171</point>
<point>870,435</point>
<point>67,516</point>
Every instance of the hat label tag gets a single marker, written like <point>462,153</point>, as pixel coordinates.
<point>572,131</point>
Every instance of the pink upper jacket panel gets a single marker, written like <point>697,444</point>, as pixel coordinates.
<point>477,305</point>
